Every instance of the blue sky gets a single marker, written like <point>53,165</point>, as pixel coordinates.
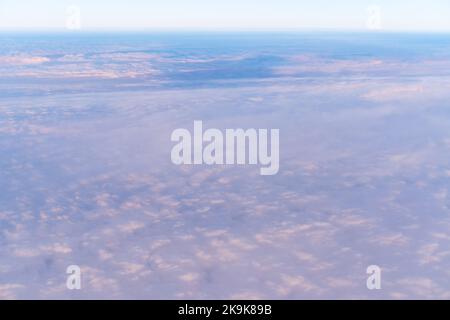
<point>404,15</point>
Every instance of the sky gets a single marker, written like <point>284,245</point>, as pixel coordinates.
<point>401,15</point>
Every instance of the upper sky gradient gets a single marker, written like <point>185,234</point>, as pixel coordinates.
<point>402,15</point>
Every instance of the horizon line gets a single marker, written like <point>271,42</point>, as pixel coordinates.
<point>220,30</point>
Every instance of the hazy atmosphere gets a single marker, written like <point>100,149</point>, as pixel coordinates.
<point>86,176</point>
